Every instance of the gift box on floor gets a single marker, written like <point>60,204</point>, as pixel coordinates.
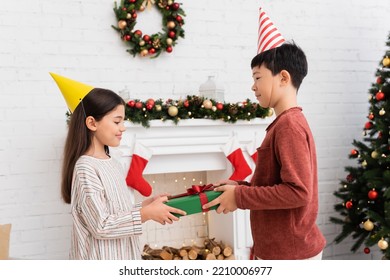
<point>192,201</point>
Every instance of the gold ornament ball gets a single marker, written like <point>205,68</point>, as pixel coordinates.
<point>171,24</point>
<point>172,111</point>
<point>144,52</point>
<point>128,16</point>
<point>158,107</point>
<point>141,43</point>
<point>382,244</point>
<point>368,225</point>
<point>207,104</point>
<point>169,41</point>
<point>364,163</point>
<point>374,154</point>
<point>122,24</point>
<point>382,112</point>
<point>386,61</point>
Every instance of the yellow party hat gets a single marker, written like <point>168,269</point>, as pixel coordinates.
<point>72,91</point>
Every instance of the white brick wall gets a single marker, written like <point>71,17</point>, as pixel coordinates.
<point>344,41</point>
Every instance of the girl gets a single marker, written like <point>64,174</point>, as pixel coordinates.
<point>106,222</point>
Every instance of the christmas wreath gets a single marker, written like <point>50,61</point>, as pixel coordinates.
<point>149,44</point>
<point>193,107</point>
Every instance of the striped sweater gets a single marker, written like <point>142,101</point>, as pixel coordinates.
<point>106,222</point>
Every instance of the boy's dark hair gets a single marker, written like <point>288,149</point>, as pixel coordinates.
<point>287,57</point>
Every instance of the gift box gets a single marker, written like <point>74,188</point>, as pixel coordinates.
<point>192,201</point>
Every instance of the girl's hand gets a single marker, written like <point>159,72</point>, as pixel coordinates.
<point>150,200</point>
<point>159,212</point>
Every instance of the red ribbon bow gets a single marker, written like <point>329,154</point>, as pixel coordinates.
<point>197,189</point>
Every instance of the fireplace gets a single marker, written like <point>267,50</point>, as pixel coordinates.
<point>186,154</point>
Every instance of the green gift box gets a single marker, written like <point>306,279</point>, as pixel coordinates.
<point>191,204</point>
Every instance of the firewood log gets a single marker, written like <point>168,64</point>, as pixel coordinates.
<point>226,250</point>
<point>213,246</point>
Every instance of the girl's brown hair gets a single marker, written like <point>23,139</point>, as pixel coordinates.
<point>97,103</point>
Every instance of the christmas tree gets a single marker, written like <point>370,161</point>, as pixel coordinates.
<point>365,192</point>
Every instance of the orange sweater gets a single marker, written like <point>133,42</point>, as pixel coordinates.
<point>283,196</point>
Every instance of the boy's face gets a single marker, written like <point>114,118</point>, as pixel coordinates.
<point>263,84</point>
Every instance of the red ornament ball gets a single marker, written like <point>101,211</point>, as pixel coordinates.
<point>179,18</point>
<point>367,250</point>
<point>175,6</point>
<point>149,106</point>
<point>152,50</point>
<point>127,37</point>
<point>131,103</point>
<point>138,105</point>
<point>348,204</point>
<point>186,103</point>
<point>138,33</point>
<point>354,152</point>
<point>379,96</point>
<point>150,101</point>
<point>373,194</point>
<point>146,38</point>
<point>371,116</point>
<point>350,178</point>
<point>219,106</point>
<point>368,125</point>
<point>171,34</point>
<point>169,49</point>
<point>378,80</point>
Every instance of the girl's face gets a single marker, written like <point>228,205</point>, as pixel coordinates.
<point>263,85</point>
<point>110,128</point>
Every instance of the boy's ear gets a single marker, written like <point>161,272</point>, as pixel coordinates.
<point>285,77</point>
<point>91,123</point>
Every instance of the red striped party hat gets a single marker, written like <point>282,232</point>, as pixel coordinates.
<point>269,36</point>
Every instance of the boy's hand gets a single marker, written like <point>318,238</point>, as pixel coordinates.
<point>226,201</point>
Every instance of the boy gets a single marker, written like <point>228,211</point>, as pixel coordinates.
<point>283,193</point>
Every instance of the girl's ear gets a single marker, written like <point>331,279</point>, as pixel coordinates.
<point>285,77</point>
<point>91,123</point>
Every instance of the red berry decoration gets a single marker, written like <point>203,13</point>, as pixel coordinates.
<point>367,250</point>
<point>379,96</point>
<point>348,204</point>
<point>373,194</point>
<point>131,103</point>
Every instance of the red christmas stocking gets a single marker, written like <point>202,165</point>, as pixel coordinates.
<point>134,179</point>
<point>252,148</point>
<point>234,154</point>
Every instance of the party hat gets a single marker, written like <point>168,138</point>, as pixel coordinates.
<point>72,91</point>
<point>269,36</point>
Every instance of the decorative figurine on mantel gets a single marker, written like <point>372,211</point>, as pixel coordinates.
<point>211,90</point>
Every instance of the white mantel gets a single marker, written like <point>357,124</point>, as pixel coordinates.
<point>191,145</point>
<point>196,145</point>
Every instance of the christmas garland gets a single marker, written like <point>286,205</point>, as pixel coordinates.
<point>144,44</point>
<point>193,107</point>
